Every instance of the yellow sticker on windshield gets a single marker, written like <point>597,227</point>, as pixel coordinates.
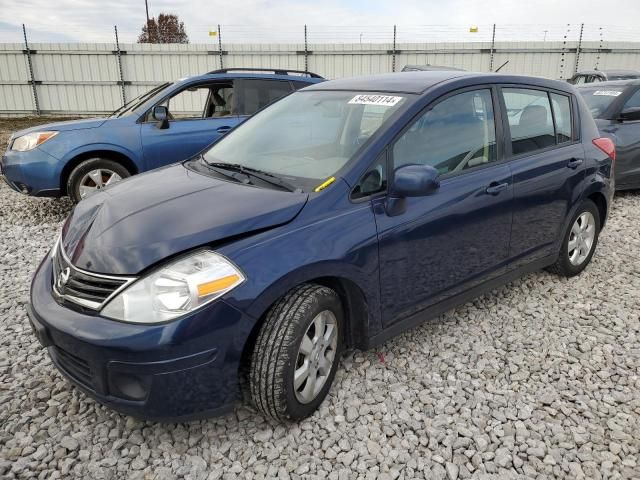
<point>325,184</point>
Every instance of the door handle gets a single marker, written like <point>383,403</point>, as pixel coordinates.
<point>223,129</point>
<point>575,163</point>
<point>495,188</point>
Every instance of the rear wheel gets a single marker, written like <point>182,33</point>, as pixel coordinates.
<point>297,353</point>
<point>93,175</point>
<point>580,241</point>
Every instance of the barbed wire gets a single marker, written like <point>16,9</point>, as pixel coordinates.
<point>40,32</point>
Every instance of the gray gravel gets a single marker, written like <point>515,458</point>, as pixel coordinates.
<point>539,379</point>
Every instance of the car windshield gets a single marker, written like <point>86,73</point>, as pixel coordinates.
<point>139,100</point>
<point>599,98</point>
<point>305,138</point>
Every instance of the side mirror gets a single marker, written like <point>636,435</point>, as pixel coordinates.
<point>415,181</point>
<point>629,115</point>
<point>161,114</point>
<point>410,181</point>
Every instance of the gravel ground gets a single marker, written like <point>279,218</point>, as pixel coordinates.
<point>539,379</point>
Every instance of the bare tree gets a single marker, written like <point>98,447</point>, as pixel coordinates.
<point>166,29</point>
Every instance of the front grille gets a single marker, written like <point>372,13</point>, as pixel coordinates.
<point>87,289</point>
<point>74,366</point>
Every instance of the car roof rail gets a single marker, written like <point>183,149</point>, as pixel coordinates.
<point>276,71</point>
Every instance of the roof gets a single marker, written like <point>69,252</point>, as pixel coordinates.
<point>419,82</point>
<point>401,82</point>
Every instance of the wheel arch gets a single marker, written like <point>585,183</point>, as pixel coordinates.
<point>356,309</point>
<point>601,202</point>
<point>76,160</point>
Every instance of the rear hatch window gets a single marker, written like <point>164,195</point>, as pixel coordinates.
<point>599,98</point>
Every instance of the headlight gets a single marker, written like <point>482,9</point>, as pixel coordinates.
<point>31,140</point>
<point>176,289</point>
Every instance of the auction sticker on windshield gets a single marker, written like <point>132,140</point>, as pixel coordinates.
<point>384,100</point>
<point>608,93</point>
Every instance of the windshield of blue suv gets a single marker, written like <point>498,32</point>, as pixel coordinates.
<point>303,139</point>
<point>139,100</point>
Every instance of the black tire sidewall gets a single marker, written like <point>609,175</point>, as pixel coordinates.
<point>565,264</point>
<point>328,300</point>
<point>73,183</point>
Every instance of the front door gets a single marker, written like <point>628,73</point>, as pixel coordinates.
<point>198,115</point>
<point>458,236</point>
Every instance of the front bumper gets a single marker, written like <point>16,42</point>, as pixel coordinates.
<point>33,173</point>
<point>184,369</point>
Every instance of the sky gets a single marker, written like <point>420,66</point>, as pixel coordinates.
<point>254,21</point>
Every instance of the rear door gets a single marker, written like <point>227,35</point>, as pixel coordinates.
<point>458,236</point>
<point>547,161</point>
<point>199,114</point>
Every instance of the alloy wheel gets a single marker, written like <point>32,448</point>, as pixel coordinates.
<point>581,238</point>
<point>316,355</point>
<point>97,180</point>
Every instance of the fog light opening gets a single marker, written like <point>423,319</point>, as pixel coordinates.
<point>129,386</point>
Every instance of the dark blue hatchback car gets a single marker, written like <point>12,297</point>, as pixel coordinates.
<point>336,218</point>
<point>167,124</point>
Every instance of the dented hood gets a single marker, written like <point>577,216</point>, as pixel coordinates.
<point>147,218</point>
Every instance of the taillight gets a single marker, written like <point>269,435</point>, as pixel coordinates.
<point>607,146</point>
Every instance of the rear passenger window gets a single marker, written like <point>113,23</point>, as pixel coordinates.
<point>458,133</point>
<point>256,94</point>
<point>562,115</point>
<point>298,84</point>
<point>530,119</point>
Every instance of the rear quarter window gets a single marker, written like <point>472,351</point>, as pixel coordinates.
<point>562,115</point>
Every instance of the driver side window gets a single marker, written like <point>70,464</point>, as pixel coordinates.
<point>456,134</point>
<point>200,102</point>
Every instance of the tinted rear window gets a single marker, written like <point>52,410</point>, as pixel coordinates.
<point>256,94</point>
<point>599,98</point>
<point>623,76</point>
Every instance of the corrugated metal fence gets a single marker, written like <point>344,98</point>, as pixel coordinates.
<point>95,78</point>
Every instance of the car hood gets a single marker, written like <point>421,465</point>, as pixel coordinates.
<point>64,126</point>
<point>147,218</point>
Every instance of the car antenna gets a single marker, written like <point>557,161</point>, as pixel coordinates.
<point>500,67</point>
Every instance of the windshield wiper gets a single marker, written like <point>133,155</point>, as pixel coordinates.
<point>254,172</point>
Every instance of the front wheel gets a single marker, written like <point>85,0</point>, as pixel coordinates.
<point>297,353</point>
<point>580,241</point>
<point>93,175</point>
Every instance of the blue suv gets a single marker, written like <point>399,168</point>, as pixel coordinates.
<point>336,218</point>
<point>171,122</point>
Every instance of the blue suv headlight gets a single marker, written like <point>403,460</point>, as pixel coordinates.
<point>31,140</point>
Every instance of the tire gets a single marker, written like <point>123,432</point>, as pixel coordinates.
<point>78,175</point>
<point>277,353</point>
<point>564,265</point>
